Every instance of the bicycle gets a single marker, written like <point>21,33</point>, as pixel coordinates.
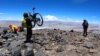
<point>37,18</point>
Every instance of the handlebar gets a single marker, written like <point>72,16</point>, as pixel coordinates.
<point>33,9</point>
<point>32,13</point>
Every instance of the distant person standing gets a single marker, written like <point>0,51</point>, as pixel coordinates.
<point>28,22</point>
<point>85,27</point>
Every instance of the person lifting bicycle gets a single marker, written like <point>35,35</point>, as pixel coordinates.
<point>29,22</point>
<point>28,25</point>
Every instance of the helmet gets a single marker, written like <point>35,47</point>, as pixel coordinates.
<point>84,20</point>
<point>25,14</point>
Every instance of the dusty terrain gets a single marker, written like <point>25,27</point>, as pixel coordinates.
<point>51,42</point>
<point>52,39</point>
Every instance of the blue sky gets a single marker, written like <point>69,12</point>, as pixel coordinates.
<point>63,10</point>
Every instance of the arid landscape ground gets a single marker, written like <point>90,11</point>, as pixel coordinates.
<point>53,39</point>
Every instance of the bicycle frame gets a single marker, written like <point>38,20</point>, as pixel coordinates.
<point>35,19</point>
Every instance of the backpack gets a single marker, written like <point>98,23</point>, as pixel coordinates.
<point>24,23</point>
<point>85,24</point>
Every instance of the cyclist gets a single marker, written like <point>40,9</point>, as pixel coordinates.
<point>28,25</point>
<point>23,22</point>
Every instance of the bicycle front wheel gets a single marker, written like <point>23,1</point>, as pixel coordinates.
<point>39,19</point>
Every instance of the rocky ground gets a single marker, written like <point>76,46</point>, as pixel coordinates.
<point>51,42</point>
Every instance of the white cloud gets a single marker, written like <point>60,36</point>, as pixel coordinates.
<point>9,18</point>
<point>1,13</point>
<point>68,19</point>
<point>50,18</point>
<point>63,19</point>
<point>13,18</point>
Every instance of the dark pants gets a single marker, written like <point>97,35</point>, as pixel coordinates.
<point>15,31</point>
<point>85,30</point>
<point>29,34</point>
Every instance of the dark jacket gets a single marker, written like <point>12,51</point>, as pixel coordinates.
<point>85,24</point>
<point>28,22</point>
